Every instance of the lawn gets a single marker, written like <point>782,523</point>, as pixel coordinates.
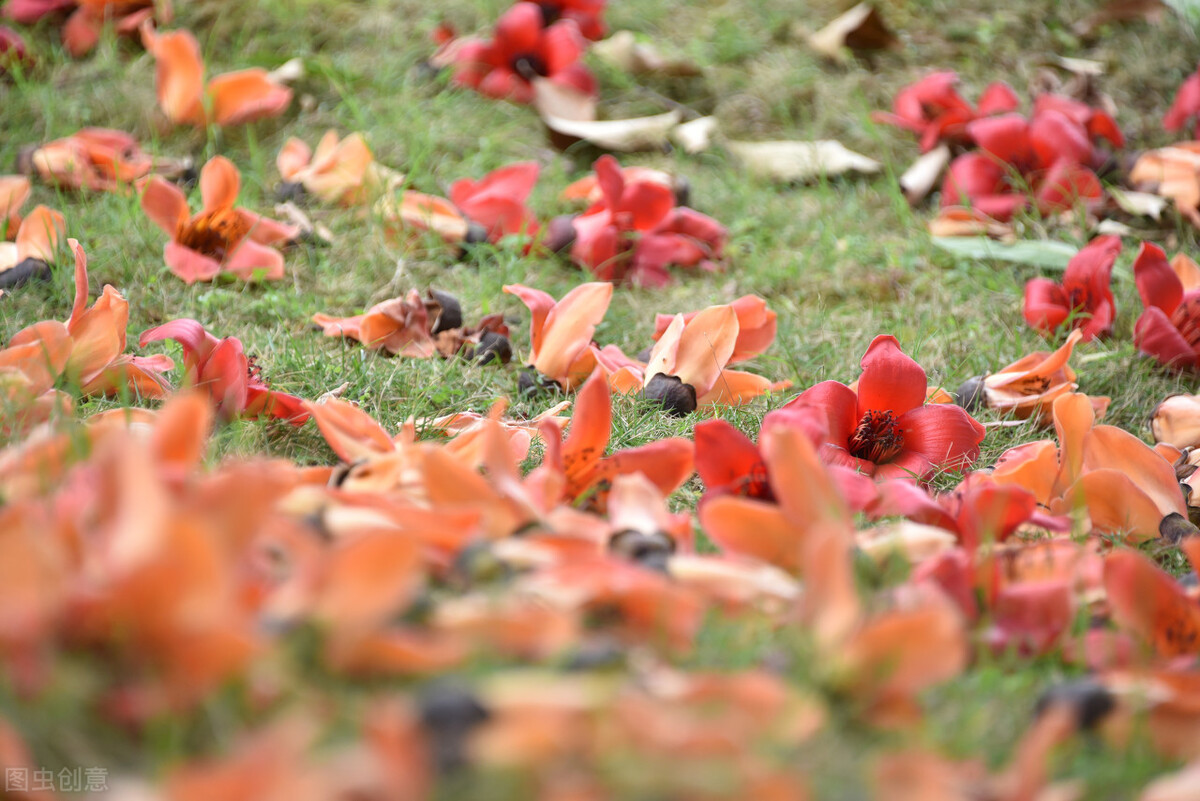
<point>841,260</point>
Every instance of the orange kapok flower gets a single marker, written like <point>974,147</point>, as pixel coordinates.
<point>14,191</point>
<point>220,238</point>
<point>1122,483</point>
<point>561,331</point>
<point>230,99</point>
<point>1027,387</point>
<point>1172,172</point>
<point>400,326</point>
<point>340,170</point>
<point>100,159</point>
<point>34,249</point>
<point>580,457</point>
<point>1150,603</point>
<point>756,327</point>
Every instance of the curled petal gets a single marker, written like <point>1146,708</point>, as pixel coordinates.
<point>1155,335</point>
<point>245,96</point>
<point>39,234</point>
<point>1046,306</point>
<point>1158,285</point>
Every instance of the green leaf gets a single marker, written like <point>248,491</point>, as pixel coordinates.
<point>1045,253</point>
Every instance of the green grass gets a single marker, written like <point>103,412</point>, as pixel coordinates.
<point>840,261</point>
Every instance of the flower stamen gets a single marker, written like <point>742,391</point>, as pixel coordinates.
<point>877,438</point>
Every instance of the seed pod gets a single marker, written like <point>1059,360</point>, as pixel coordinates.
<point>476,234</point>
<point>971,394</point>
<point>1174,527</point>
<point>30,269</point>
<point>290,191</point>
<point>650,550</point>
<point>1090,700</point>
<point>444,311</point>
<point>560,233</point>
<point>678,398</point>
<point>449,711</point>
<point>493,347</point>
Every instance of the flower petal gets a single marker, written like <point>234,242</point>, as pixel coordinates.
<point>1158,285</point>
<point>945,435</point>
<point>219,184</point>
<point>1046,306</point>
<point>246,95</point>
<point>891,380</point>
<point>1155,335</point>
<point>164,203</point>
<point>190,265</point>
<point>179,74</point>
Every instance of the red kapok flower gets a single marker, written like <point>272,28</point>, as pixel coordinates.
<point>220,238</point>
<point>1169,328</point>
<point>634,232</point>
<point>82,29</point>
<point>497,201</point>
<point>933,109</point>
<point>1186,108</point>
<point>587,14</point>
<point>1085,291</point>
<point>1048,156</point>
<point>221,366</point>
<point>522,48</point>
<point>885,428</point>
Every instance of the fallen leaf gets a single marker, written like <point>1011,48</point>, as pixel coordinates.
<point>860,28</point>
<point>1044,253</point>
<point>571,118</point>
<point>695,136</point>
<point>919,179</point>
<point>800,161</point>
<point>623,51</point>
<point>1139,204</point>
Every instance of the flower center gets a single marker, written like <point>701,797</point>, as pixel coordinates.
<point>527,65</point>
<point>214,233</point>
<point>550,13</point>
<point>878,437</point>
<point>1187,319</point>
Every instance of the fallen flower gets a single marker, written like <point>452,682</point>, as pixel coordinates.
<point>340,170</point>
<point>1172,172</point>
<point>82,30</point>
<point>220,238</point>
<point>1186,106</point>
<point>99,159</point>
<point>416,327</point>
<point>756,327</point>
<point>229,99</point>
<point>1122,484</point>
<point>885,428</point>
<point>1169,326</point>
<point>498,200</point>
<point>933,109</point>
<point>687,367</point>
<point>561,331</point>
<point>523,47</point>
<point>1027,387</point>
<point>233,380</point>
<point>34,248</point>
<point>1176,421</point>
<point>635,232</point>
<point>1085,294</point>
